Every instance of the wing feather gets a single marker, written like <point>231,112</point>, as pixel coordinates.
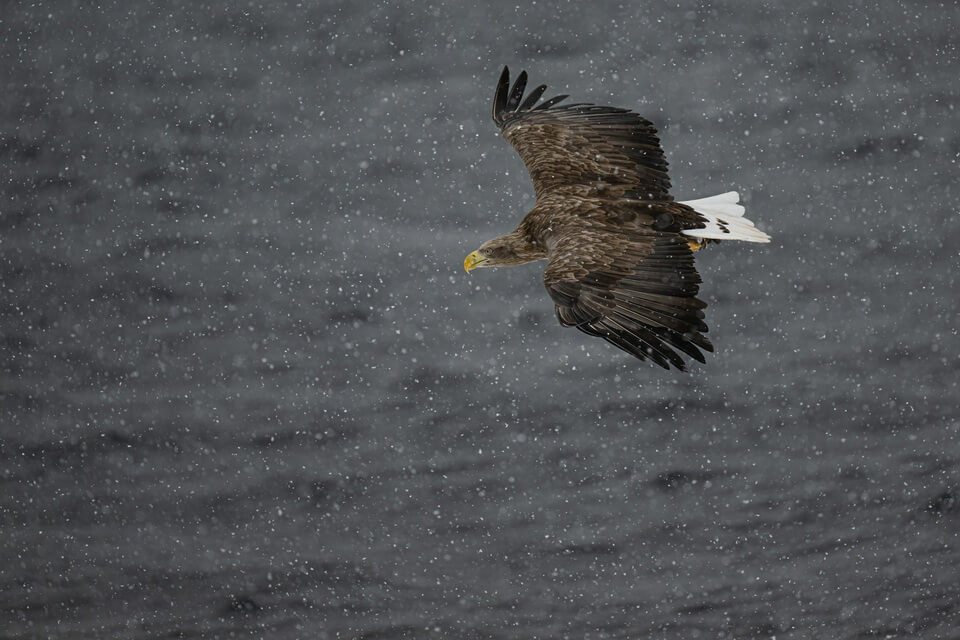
<point>516,93</point>
<point>532,98</point>
<point>546,104</point>
<point>569,147</point>
<point>500,97</point>
<point>634,288</point>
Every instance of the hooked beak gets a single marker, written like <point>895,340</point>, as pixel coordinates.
<point>473,261</point>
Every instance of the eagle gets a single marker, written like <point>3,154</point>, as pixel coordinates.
<point>619,248</point>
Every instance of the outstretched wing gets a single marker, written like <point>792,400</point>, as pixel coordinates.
<point>581,148</point>
<point>635,289</point>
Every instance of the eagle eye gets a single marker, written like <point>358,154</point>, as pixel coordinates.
<point>495,252</point>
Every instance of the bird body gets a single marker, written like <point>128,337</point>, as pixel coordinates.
<point>619,247</point>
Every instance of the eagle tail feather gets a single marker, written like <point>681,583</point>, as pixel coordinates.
<point>724,219</point>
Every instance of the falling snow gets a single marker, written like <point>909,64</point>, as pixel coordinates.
<point>248,391</point>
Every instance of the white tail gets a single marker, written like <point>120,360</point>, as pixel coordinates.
<point>725,219</point>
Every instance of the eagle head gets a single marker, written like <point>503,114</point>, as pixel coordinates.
<point>505,251</point>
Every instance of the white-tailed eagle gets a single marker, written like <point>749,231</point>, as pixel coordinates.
<point>619,248</point>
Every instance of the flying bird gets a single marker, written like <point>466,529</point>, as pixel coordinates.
<point>619,248</point>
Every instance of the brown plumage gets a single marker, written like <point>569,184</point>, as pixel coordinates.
<point>619,248</point>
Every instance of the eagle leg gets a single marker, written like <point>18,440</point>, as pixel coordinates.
<point>700,243</point>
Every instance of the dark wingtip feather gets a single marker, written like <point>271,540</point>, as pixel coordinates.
<point>500,97</point>
<point>546,104</point>
<point>508,100</point>
<point>532,98</point>
<point>641,342</point>
<point>516,94</point>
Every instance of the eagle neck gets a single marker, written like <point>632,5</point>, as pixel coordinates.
<point>527,243</point>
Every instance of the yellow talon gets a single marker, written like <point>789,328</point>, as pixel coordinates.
<point>696,245</point>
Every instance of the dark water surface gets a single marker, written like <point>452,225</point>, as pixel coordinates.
<point>248,391</point>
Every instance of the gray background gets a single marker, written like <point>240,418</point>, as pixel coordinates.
<point>248,391</point>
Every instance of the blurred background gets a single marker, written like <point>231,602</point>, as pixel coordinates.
<point>248,391</point>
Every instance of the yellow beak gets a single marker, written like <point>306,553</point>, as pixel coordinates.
<point>472,261</point>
